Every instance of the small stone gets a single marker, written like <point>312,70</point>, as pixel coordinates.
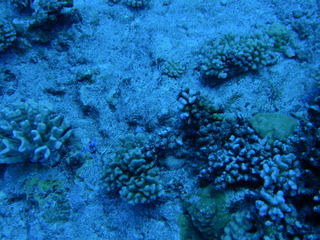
<point>289,52</point>
<point>172,163</point>
<point>298,13</point>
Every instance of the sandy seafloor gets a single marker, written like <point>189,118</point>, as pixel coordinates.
<point>120,47</point>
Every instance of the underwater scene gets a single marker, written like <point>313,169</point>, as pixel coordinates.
<point>160,120</point>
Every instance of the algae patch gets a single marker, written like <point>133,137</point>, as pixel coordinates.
<point>50,197</point>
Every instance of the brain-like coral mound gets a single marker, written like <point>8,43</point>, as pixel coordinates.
<point>135,176</point>
<point>30,132</point>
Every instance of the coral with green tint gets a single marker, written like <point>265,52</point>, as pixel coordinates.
<point>30,132</point>
<point>279,35</point>
<point>208,212</point>
<point>51,197</point>
<point>173,69</point>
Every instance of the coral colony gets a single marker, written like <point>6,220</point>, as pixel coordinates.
<point>198,158</point>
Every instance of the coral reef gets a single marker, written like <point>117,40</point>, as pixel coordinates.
<point>39,17</point>
<point>232,55</point>
<point>134,174</point>
<point>236,159</point>
<point>316,199</point>
<point>242,226</point>
<point>276,172</point>
<point>47,11</point>
<point>41,12</point>
<point>231,178</point>
<point>173,69</point>
<point>281,176</point>
<point>280,36</point>
<point>21,4</point>
<point>274,125</point>
<point>49,195</point>
<point>8,82</point>
<point>32,133</point>
<point>307,145</point>
<point>137,3</point>
<point>200,119</point>
<point>7,35</point>
<point>208,211</point>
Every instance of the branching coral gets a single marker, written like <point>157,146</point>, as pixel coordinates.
<point>32,133</point>
<point>232,55</point>
<point>134,174</point>
<point>7,35</point>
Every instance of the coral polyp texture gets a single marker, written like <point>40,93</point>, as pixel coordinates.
<point>232,55</point>
<point>134,174</point>
<point>7,35</point>
<point>32,133</point>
